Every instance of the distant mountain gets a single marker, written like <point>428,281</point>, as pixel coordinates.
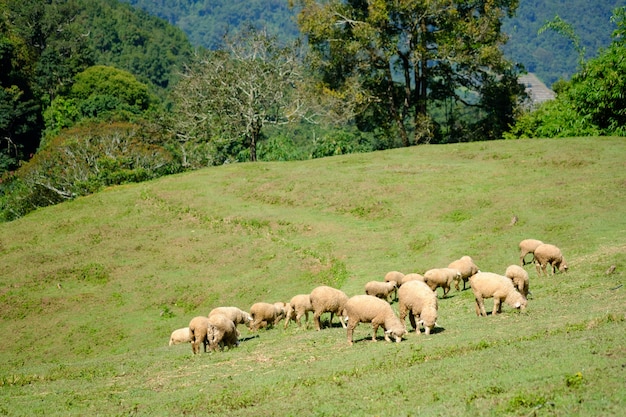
<point>550,55</point>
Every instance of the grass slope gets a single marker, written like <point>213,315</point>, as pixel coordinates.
<point>90,290</point>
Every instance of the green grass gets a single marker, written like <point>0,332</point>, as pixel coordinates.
<point>91,289</point>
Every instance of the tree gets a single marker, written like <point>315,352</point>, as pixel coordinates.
<point>227,97</point>
<point>405,55</point>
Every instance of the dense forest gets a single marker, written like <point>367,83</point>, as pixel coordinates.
<point>549,55</point>
<point>98,92</point>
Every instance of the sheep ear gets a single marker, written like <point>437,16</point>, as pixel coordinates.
<point>518,304</point>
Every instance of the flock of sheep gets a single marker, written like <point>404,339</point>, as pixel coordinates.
<point>416,295</point>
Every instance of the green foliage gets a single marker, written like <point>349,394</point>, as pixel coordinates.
<point>592,103</point>
<point>81,161</point>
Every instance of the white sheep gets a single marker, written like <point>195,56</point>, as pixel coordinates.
<point>420,302</point>
<point>235,314</point>
<point>488,285</point>
<point>198,327</point>
<point>412,277</point>
<point>527,246</point>
<point>298,306</point>
<point>180,336</point>
<point>441,277</point>
<point>381,289</point>
<point>222,331</point>
<point>519,276</point>
<point>546,254</point>
<point>394,276</point>
<point>265,314</point>
<point>370,309</point>
<point>466,266</point>
<point>328,299</point>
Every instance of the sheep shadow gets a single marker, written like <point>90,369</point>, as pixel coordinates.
<point>245,339</point>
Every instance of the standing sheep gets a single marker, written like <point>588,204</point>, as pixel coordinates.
<point>328,299</point>
<point>198,327</point>
<point>235,314</point>
<point>488,285</point>
<point>466,267</point>
<point>180,336</point>
<point>527,246</point>
<point>381,289</point>
<point>546,254</point>
<point>222,331</point>
<point>265,314</point>
<point>299,306</point>
<point>420,302</point>
<point>412,277</point>
<point>441,277</point>
<point>370,309</point>
<point>519,276</point>
<point>394,276</point>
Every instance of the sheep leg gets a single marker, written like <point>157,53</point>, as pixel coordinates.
<point>351,327</point>
<point>497,306</point>
<point>413,323</point>
<point>480,307</point>
<point>316,318</point>
<point>375,327</point>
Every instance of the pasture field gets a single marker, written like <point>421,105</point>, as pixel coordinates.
<point>91,289</point>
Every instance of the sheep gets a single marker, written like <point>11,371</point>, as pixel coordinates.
<point>527,246</point>
<point>395,276</point>
<point>198,327</point>
<point>235,314</point>
<point>298,306</point>
<point>382,289</point>
<point>370,309</point>
<point>264,314</point>
<point>328,299</point>
<point>180,336</point>
<point>466,266</point>
<point>222,331</point>
<point>420,302</point>
<point>519,276</point>
<point>412,277</point>
<point>441,277</point>
<point>549,254</point>
<point>487,285</point>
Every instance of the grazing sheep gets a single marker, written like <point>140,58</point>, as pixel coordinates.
<point>328,299</point>
<point>299,306</point>
<point>394,276</point>
<point>370,309</point>
<point>546,254</point>
<point>265,314</point>
<point>487,285</point>
<point>466,267</point>
<point>180,336</point>
<point>441,277</point>
<point>420,302</point>
<point>381,289</point>
<point>198,327</point>
<point>412,277</point>
<point>527,246</point>
<point>222,331</point>
<point>519,276</point>
<point>235,314</point>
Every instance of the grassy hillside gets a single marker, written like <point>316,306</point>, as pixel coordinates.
<point>90,290</point>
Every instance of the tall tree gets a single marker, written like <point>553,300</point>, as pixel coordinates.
<point>406,54</point>
<point>232,94</point>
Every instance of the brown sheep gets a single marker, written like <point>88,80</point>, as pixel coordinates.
<point>546,254</point>
<point>527,246</point>
<point>466,267</point>
<point>412,277</point>
<point>222,331</point>
<point>198,327</point>
<point>381,289</point>
<point>235,314</point>
<point>266,314</point>
<point>180,336</point>
<point>416,299</point>
<point>370,309</point>
<point>441,277</point>
<point>488,285</point>
<point>394,276</point>
<point>519,276</point>
<point>299,306</point>
<point>328,299</point>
